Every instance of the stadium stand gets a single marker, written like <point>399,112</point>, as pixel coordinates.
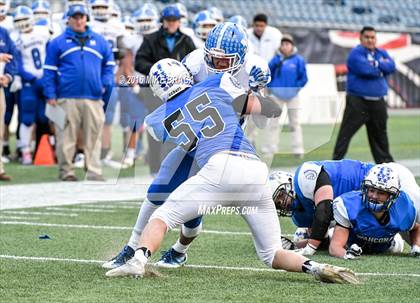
<point>384,15</point>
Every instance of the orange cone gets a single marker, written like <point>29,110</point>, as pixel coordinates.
<point>44,154</point>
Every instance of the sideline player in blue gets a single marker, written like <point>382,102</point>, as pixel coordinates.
<point>203,119</point>
<point>368,220</point>
<point>307,195</point>
<point>225,51</point>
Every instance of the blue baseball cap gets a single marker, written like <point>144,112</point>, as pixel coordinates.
<point>77,9</point>
<point>171,12</point>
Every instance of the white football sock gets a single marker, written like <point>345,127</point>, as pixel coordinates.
<point>146,211</point>
<point>131,153</point>
<point>181,248</point>
<point>25,134</point>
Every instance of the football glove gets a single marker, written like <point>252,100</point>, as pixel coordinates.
<point>258,79</point>
<point>287,244</point>
<point>354,252</point>
<point>415,251</point>
<point>308,250</point>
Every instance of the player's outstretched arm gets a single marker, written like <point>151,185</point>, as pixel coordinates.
<point>338,242</point>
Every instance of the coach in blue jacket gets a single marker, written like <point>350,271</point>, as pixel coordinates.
<point>288,76</point>
<point>8,68</point>
<point>78,73</point>
<point>367,67</point>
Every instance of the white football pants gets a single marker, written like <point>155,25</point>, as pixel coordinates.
<point>227,180</point>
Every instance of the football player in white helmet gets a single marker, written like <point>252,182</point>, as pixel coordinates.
<point>146,19</point>
<point>238,19</point>
<point>31,45</point>
<point>203,23</point>
<point>368,220</point>
<point>217,14</point>
<point>230,55</point>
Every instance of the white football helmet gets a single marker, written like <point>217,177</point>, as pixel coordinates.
<point>203,24</point>
<point>146,19</point>
<point>129,24</point>
<point>115,11</point>
<point>238,19</point>
<point>23,19</point>
<point>41,10</point>
<point>381,177</point>
<point>217,14</point>
<point>75,2</point>
<point>169,77</point>
<point>281,184</point>
<point>101,9</point>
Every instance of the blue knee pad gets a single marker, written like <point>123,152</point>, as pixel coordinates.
<point>176,168</point>
<point>111,106</point>
<point>194,222</point>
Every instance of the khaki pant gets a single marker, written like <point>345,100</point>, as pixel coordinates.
<point>88,116</point>
<point>2,112</point>
<point>272,130</point>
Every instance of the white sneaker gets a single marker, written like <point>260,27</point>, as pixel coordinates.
<point>107,161</point>
<point>134,267</point>
<point>335,274</point>
<point>5,159</point>
<point>79,160</point>
<point>128,162</point>
<point>26,158</point>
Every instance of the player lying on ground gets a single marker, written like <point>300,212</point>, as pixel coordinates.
<point>225,51</point>
<point>202,118</point>
<point>369,220</point>
<point>307,194</point>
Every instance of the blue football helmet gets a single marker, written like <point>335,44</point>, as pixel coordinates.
<point>146,19</point>
<point>23,18</point>
<point>226,42</point>
<point>203,23</point>
<point>381,177</point>
<point>41,10</point>
<point>238,19</point>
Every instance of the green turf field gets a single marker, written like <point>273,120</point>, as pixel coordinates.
<point>80,241</point>
<point>404,136</point>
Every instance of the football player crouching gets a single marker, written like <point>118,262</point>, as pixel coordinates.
<point>369,220</point>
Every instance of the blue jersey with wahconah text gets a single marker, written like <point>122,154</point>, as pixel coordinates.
<point>202,119</point>
<point>345,175</point>
<point>365,230</point>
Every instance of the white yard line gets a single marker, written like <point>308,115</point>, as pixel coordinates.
<point>19,218</point>
<point>81,210</point>
<point>110,206</point>
<point>196,266</point>
<point>122,189</point>
<point>39,213</point>
<point>206,231</point>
